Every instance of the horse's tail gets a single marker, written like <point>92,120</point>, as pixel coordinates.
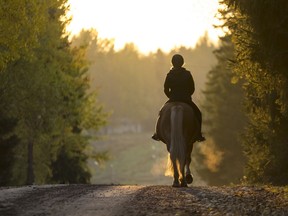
<point>177,146</point>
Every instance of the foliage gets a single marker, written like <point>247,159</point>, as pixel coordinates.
<point>259,33</point>
<point>21,23</point>
<point>224,119</point>
<point>47,97</point>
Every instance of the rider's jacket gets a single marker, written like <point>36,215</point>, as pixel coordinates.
<point>179,85</point>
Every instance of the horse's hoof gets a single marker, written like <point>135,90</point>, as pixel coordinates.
<point>189,178</point>
<point>176,184</point>
<point>184,184</point>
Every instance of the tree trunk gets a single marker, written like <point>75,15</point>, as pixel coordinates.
<point>30,169</point>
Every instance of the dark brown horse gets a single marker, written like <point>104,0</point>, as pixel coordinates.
<point>178,127</point>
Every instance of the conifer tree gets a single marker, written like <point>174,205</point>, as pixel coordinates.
<point>224,119</point>
<point>259,32</point>
<point>48,96</point>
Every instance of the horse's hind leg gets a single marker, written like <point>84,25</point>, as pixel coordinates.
<point>176,176</point>
<point>189,177</point>
<point>183,180</point>
<point>176,182</point>
<point>179,174</point>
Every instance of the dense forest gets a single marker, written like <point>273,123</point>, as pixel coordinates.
<point>45,106</point>
<point>58,93</point>
<point>255,48</point>
<point>259,31</point>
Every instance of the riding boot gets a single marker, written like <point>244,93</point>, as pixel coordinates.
<point>200,138</point>
<point>155,137</point>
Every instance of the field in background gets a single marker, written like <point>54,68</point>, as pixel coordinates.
<point>134,159</point>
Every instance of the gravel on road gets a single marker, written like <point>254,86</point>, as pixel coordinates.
<point>130,200</point>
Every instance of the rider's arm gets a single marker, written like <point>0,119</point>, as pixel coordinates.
<point>167,87</point>
<point>191,84</point>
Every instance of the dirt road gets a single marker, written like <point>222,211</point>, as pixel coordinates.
<point>132,200</point>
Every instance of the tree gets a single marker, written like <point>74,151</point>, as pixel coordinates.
<point>48,99</point>
<point>224,118</point>
<point>259,33</point>
<point>7,144</point>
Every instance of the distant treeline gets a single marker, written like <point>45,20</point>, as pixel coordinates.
<point>130,84</point>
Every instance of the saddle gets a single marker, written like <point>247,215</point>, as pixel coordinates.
<point>164,119</point>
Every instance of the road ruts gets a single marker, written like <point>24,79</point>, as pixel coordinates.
<point>62,200</point>
<point>130,200</point>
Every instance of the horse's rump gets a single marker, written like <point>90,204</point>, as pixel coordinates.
<point>190,123</point>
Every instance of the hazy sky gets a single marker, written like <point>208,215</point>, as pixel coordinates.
<point>149,24</point>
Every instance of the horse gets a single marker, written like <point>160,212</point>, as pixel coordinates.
<point>177,127</point>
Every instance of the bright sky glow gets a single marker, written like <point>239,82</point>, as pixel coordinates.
<point>149,24</point>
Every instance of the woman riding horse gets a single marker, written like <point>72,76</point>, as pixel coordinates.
<point>179,87</point>
<point>179,122</point>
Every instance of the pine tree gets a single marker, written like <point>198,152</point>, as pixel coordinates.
<point>224,119</point>
<point>259,32</point>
